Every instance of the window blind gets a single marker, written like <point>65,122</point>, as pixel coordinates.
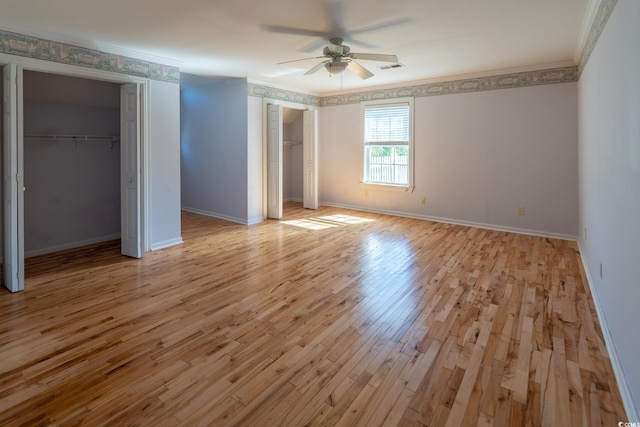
<point>386,125</point>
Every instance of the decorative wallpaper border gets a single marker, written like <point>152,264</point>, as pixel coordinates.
<point>47,50</point>
<point>599,22</point>
<point>262,91</point>
<point>501,81</point>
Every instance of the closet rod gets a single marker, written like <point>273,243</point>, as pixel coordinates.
<point>111,138</point>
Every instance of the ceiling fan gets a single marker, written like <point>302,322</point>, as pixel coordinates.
<point>339,57</point>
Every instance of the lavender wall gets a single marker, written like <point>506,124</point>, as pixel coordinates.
<point>478,157</point>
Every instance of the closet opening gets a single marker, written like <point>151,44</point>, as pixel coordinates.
<point>72,196</point>
<point>292,158</point>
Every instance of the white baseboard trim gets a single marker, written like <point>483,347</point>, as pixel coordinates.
<point>456,222</point>
<point>166,243</point>
<point>216,215</point>
<point>71,245</point>
<point>256,220</point>
<point>623,385</point>
<point>293,199</point>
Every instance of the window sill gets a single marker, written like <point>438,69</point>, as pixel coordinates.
<point>387,187</point>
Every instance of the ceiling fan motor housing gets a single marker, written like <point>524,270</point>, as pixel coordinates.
<point>335,51</point>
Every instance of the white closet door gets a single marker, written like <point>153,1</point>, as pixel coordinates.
<point>274,161</point>
<point>13,186</point>
<point>131,238</point>
<point>310,155</point>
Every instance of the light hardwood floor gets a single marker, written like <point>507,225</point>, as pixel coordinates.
<point>333,318</point>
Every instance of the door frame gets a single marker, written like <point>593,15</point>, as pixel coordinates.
<point>38,65</point>
<point>12,178</point>
<point>265,131</point>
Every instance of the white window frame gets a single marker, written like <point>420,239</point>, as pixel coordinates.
<point>411,161</point>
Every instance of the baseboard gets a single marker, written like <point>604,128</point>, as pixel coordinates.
<point>256,220</point>
<point>216,215</point>
<point>71,245</point>
<point>457,222</point>
<point>166,243</point>
<point>293,199</point>
<point>623,385</point>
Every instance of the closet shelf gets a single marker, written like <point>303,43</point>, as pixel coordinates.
<point>111,138</point>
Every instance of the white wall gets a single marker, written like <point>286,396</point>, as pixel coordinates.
<point>214,134</point>
<point>478,156</point>
<point>164,164</point>
<point>254,160</point>
<point>73,193</point>
<point>609,105</point>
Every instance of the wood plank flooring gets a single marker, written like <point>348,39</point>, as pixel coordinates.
<point>331,317</point>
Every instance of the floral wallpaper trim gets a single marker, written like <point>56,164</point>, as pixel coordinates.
<point>599,22</point>
<point>47,50</point>
<point>261,91</point>
<point>502,81</point>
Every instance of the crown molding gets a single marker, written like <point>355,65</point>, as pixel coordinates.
<point>267,91</point>
<point>277,86</point>
<point>587,23</point>
<point>477,84</point>
<point>599,22</point>
<point>84,43</point>
<point>12,43</point>
<point>455,77</point>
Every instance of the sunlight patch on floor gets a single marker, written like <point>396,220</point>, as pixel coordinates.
<point>328,221</point>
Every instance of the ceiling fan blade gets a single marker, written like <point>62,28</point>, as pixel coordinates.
<point>374,57</point>
<point>296,60</point>
<point>292,30</point>
<point>359,70</point>
<point>335,13</point>
<point>381,25</point>
<point>317,67</point>
<point>314,46</point>
<point>351,40</point>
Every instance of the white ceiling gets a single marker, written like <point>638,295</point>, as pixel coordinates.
<point>434,39</point>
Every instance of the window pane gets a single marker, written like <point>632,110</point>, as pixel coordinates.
<point>387,164</point>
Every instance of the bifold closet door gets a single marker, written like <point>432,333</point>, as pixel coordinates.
<point>274,161</point>
<point>130,199</point>
<point>13,186</point>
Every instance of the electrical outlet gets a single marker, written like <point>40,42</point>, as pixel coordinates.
<point>346,191</point>
<point>423,200</point>
<point>520,210</point>
<point>366,193</point>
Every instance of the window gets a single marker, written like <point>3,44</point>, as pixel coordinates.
<point>388,150</point>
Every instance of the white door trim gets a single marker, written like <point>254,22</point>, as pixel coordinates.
<point>284,104</point>
<point>12,173</point>
<point>75,71</point>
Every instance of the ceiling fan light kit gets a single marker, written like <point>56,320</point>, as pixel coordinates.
<point>336,67</point>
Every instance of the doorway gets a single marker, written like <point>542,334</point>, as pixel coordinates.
<point>291,156</point>
<point>130,184</point>
<point>71,162</point>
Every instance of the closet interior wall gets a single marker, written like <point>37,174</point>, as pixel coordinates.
<point>72,186</point>
<point>292,160</point>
